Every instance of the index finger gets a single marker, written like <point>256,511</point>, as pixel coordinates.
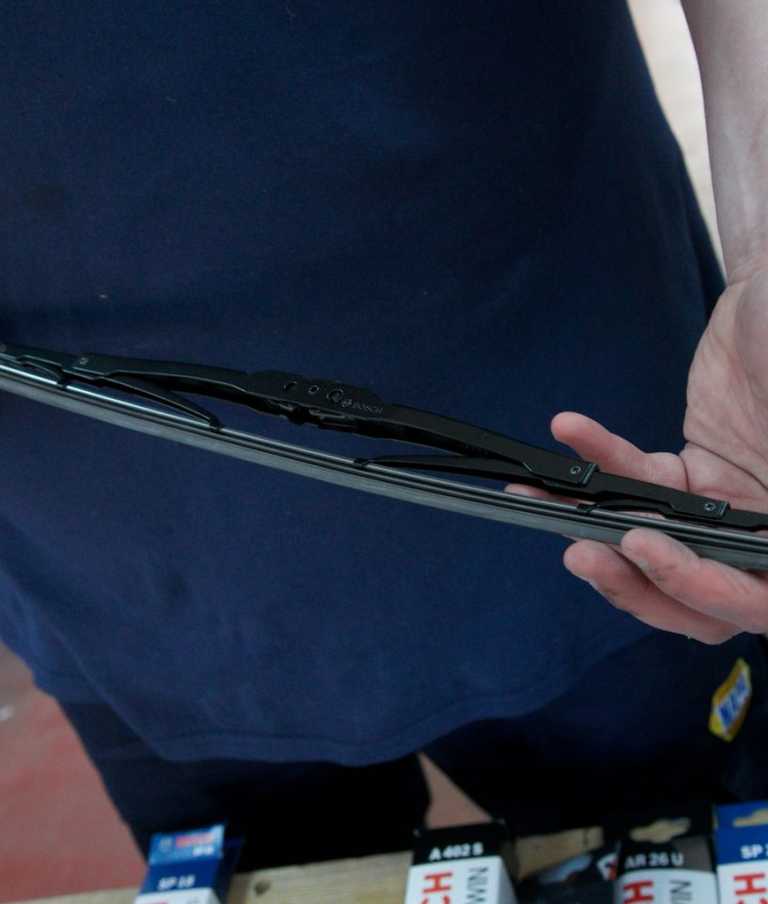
<point>704,585</point>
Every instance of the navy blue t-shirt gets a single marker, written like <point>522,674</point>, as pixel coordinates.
<point>476,209</point>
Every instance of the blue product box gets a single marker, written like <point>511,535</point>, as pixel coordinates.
<point>191,867</point>
<point>741,846</point>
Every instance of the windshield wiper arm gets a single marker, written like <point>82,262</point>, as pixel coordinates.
<point>334,405</point>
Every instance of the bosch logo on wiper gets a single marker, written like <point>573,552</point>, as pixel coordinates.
<point>361,406</point>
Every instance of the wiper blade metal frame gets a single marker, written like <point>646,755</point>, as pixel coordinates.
<point>735,547</point>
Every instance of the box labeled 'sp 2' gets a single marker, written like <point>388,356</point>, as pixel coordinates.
<point>741,845</point>
<point>461,865</point>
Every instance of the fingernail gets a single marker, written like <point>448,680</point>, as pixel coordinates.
<point>581,577</point>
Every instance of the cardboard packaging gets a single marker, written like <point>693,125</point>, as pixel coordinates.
<point>192,867</point>
<point>741,848</point>
<point>461,865</point>
<point>671,872</point>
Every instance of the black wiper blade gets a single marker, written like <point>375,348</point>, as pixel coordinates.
<point>334,405</point>
<point>65,368</point>
<point>327,404</point>
<point>607,492</point>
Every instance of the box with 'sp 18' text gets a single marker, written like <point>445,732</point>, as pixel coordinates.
<point>190,867</point>
<point>461,865</point>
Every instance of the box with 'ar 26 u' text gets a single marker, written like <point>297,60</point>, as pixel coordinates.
<point>679,871</point>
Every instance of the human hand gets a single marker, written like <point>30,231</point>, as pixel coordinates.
<point>655,578</point>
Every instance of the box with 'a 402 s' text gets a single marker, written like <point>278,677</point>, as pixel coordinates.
<point>461,865</point>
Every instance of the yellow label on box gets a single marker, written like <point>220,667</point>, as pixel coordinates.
<point>730,702</point>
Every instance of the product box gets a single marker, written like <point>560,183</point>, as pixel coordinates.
<point>192,867</point>
<point>461,865</point>
<point>680,870</point>
<point>741,848</point>
<point>584,879</point>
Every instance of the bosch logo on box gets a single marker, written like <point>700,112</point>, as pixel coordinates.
<point>192,839</point>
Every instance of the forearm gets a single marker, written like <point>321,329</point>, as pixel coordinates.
<point>731,41</point>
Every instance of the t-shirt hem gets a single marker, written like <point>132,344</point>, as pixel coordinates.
<point>420,731</point>
<point>292,748</point>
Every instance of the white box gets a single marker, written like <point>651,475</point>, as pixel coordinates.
<point>461,865</point>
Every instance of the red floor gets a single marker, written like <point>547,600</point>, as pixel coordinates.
<point>60,833</point>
